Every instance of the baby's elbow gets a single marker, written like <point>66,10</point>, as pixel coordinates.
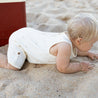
<point>62,70</point>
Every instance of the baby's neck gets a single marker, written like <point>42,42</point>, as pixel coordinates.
<point>73,44</point>
<point>71,40</point>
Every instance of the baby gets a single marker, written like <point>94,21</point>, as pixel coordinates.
<point>40,47</point>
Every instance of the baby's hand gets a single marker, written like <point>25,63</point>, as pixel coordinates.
<point>85,66</point>
<point>92,56</point>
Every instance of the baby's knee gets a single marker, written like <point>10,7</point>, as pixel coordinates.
<point>9,66</point>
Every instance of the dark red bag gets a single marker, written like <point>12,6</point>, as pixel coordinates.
<point>12,18</point>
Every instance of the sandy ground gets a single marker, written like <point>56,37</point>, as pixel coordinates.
<point>44,81</point>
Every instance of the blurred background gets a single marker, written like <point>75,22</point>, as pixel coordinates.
<point>52,15</point>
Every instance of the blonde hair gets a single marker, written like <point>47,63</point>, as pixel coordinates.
<point>84,26</point>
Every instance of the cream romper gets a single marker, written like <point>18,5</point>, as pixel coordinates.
<point>33,45</point>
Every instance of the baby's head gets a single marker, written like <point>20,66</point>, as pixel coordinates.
<point>83,29</point>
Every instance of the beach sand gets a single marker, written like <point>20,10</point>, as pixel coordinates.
<point>44,81</point>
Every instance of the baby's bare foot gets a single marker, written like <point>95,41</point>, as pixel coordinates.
<point>85,66</point>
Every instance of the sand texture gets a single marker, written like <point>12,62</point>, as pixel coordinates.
<point>44,81</point>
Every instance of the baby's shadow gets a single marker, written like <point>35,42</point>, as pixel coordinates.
<point>37,65</point>
<point>27,65</point>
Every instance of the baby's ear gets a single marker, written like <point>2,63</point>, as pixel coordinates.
<point>78,40</point>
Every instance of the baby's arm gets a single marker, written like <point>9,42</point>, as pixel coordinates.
<point>88,54</point>
<point>79,53</point>
<point>63,61</point>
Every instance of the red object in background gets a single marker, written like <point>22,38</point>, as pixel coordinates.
<point>12,18</point>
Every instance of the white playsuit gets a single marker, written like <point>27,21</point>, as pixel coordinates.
<point>33,45</point>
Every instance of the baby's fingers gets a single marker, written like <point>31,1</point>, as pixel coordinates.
<point>96,56</point>
<point>91,66</point>
<point>88,69</point>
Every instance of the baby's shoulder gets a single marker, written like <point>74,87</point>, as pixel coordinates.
<point>64,49</point>
<point>62,46</point>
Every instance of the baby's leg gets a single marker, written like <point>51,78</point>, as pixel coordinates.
<point>4,63</point>
<point>15,57</point>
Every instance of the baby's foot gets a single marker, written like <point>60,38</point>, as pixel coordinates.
<point>85,66</point>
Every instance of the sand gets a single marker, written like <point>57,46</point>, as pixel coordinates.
<point>44,81</point>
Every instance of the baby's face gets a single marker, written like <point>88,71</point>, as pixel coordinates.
<point>85,46</point>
